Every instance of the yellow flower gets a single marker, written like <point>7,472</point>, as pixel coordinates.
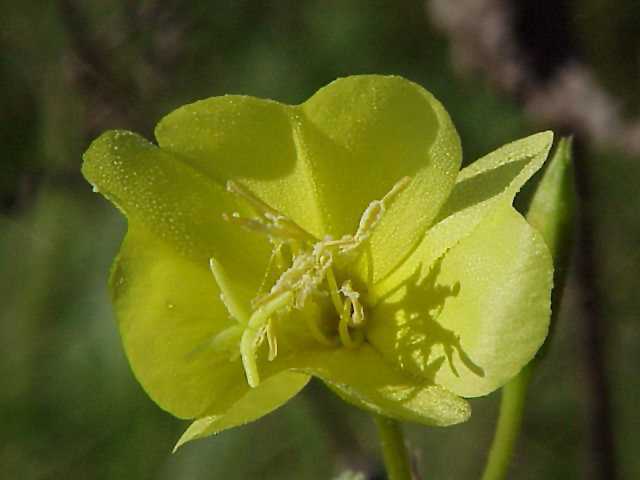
<point>336,238</point>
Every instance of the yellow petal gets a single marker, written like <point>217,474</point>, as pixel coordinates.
<point>256,402</point>
<point>480,189</point>
<point>364,378</point>
<point>170,318</point>
<point>471,321</point>
<point>248,140</point>
<point>176,203</point>
<point>360,135</point>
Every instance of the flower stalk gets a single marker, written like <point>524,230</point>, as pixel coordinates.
<point>509,422</point>
<point>394,449</point>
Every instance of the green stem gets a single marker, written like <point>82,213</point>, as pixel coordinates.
<point>509,421</point>
<point>394,450</point>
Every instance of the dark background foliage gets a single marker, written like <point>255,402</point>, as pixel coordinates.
<point>69,405</point>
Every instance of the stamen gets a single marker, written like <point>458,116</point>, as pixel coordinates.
<point>333,291</point>
<point>255,202</point>
<point>368,221</point>
<point>343,328</point>
<point>397,188</point>
<point>312,262</point>
<point>271,221</point>
<point>291,279</point>
<point>278,227</point>
<point>372,216</point>
<point>254,334</point>
<point>357,317</point>
<point>272,340</point>
<point>237,310</point>
<point>247,223</point>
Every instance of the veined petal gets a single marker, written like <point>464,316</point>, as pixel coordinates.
<point>250,141</point>
<point>359,136</point>
<point>472,320</point>
<point>481,187</point>
<point>364,378</point>
<point>255,403</point>
<point>174,202</point>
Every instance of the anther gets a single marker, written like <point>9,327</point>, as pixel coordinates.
<point>271,340</point>
<point>357,316</point>
<point>343,328</point>
<point>258,205</point>
<point>397,188</point>
<point>371,217</point>
<point>270,220</point>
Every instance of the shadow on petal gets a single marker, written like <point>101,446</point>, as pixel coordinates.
<point>481,187</point>
<point>418,343</point>
<point>366,379</point>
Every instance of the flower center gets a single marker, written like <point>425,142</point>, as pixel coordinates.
<point>304,267</point>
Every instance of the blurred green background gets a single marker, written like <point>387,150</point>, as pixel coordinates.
<point>69,405</point>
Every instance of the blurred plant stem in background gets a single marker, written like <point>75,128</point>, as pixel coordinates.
<point>604,464</point>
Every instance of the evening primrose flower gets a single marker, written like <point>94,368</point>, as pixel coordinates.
<point>338,238</point>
